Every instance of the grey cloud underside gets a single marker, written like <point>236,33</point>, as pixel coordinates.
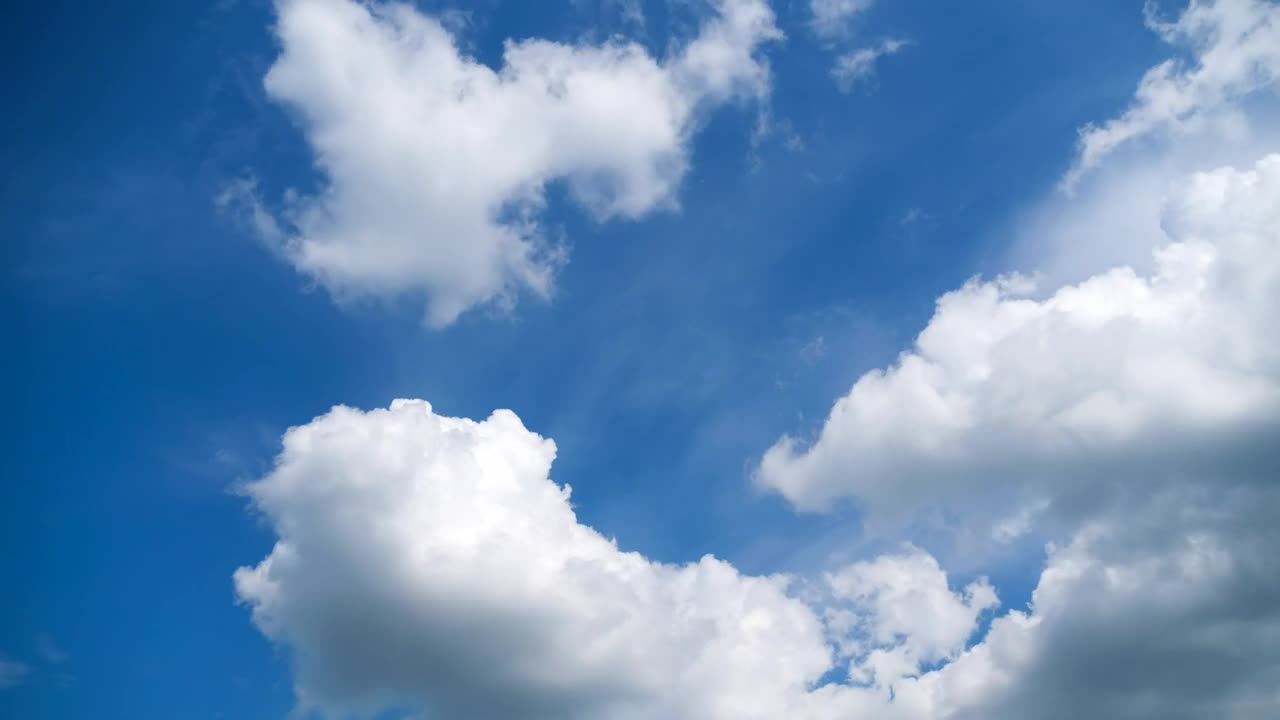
<point>1194,632</point>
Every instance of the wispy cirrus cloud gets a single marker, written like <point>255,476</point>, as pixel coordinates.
<point>832,18</point>
<point>1234,48</point>
<point>859,66</point>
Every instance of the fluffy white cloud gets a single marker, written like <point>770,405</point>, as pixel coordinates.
<point>435,165</point>
<point>859,65</point>
<point>831,18</point>
<point>430,561</point>
<point>1131,411</point>
<point>1121,379</point>
<point>895,614</point>
<point>1235,46</point>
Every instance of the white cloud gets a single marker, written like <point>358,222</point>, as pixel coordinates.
<point>1132,411</point>
<point>895,614</point>
<point>831,22</point>
<point>435,165</point>
<point>831,18</point>
<point>859,65</point>
<point>1018,523</point>
<point>1120,379</point>
<point>1235,46</point>
<point>429,561</point>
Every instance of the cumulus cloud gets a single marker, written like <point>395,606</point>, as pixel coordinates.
<point>430,562</point>
<point>896,613</point>
<point>1164,607</point>
<point>1122,379</point>
<point>1168,607</point>
<point>1235,50</point>
<point>859,65</point>
<point>435,166</point>
<point>831,18</point>
<point>1128,413</point>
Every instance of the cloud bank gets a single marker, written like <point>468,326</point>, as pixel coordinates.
<point>429,563</point>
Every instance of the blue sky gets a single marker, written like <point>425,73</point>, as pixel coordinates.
<point>160,347</point>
